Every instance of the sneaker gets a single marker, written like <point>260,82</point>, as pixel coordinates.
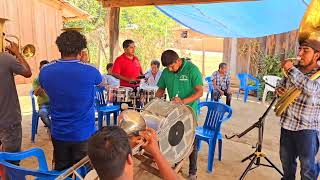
<point>192,177</point>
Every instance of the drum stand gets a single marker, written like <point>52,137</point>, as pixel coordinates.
<point>256,156</point>
<point>148,164</point>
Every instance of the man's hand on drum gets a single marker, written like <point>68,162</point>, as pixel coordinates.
<point>177,100</point>
<point>151,144</point>
<point>135,140</point>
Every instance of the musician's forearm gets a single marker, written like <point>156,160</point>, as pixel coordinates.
<point>198,94</point>
<point>160,93</point>
<point>121,77</point>
<point>24,63</point>
<point>164,167</point>
<point>303,82</point>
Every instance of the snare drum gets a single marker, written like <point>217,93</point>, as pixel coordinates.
<point>111,94</point>
<point>147,94</point>
<point>123,94</point>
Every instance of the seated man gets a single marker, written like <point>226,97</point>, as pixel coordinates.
<point>109,79</point>
<point>42,98</point>
<point>153,75</point>
<point>221,83</point>
<point>110,153</point>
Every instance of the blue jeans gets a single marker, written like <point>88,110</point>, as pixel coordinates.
<point>44,115</point>
<point>303,144</point>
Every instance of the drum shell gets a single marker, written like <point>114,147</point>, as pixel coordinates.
<point>123,94</point>
<point>165,117</point>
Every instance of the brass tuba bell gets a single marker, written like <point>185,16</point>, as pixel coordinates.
<point>309,31</point>
<point>27,51</point>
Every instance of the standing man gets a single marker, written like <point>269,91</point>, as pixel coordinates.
<point>221,83</point>
<point>300,121</point>
<point>183,81</point>
<point>153,75</point>
<point>10,113</point>
<point>70,85</point>
<point>127,67</point>
<point>42,98</point>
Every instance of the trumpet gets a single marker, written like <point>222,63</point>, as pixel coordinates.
<point>28,51</point>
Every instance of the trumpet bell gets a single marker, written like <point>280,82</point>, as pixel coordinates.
<point>28,51</point>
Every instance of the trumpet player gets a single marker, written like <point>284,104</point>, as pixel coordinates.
<point>10,113</point>
<point>300,121</point>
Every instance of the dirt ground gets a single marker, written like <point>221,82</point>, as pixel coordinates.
<point>234,150</point>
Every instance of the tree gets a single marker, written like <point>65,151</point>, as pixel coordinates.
<point>147,26</point>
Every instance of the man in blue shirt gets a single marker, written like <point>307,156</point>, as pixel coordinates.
<point>70,85</point>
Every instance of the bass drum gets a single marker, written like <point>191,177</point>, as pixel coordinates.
<point>175,125</point>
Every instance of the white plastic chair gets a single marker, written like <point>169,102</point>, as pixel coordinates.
<point>272,80</point>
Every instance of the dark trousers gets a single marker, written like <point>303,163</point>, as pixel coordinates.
<point>193,159</point>
<point>303,144</point>
<point>67,154</point>
<point>217,95</point>
<point>11,138</point>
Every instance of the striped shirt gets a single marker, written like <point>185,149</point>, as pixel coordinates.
<point>223,82</point>
<point>304,112</point>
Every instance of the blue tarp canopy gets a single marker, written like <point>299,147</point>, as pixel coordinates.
<point>240,19</point>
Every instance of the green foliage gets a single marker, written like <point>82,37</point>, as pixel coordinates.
<point>150,29</point>
<point>271,66</point>
<point>266,64</point>
<point>97,13</point>
<point>95,9</point>
<point>147,26</point>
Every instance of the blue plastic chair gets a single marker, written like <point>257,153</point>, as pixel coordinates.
<point>35,117</point>
<point>104,110</point>
<point>198,110</point>
<point>210,88</point>
<point>244,78</point>
<point>210,131</point>
<point>18,172</point>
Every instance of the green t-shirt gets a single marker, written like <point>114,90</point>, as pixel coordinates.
<point>182,83</point>
<point>42,98</point>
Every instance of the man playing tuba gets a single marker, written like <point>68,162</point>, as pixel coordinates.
<point>300,120</point>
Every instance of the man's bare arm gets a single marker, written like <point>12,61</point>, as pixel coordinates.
<point>122,77</point>
<point>38,91</point>
<point>160,92</point>
<point>152,147</point>
<point>13,47</point>
<point>198,94</point>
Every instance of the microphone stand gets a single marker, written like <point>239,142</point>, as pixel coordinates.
<point>256,156</point>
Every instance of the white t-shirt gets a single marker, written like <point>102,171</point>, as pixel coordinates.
<point>153,81</point>
<point>111,80</point>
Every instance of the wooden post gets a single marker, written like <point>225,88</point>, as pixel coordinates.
<point>203,59</point>
<point>113,29</point>
<point>99,56</point>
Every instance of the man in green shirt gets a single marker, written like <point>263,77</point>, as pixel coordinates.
<point>42,98</point>
<point>183,81</point>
